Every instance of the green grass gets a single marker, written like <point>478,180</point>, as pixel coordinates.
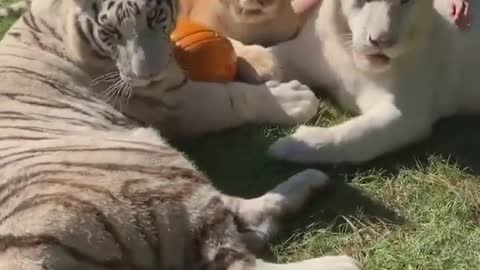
<point>6,2</point>
<point>5,23</point>
<point>414,209</point>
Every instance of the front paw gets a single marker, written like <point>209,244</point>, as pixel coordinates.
<point>257,65</point>
<point>296,100</point>
<point>331,263</point>
<point>306,145</point>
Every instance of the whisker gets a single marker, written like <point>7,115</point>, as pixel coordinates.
<point>110,92</point>
<point>123,95</point>
<point>109,77</point>
<point>346,39</point>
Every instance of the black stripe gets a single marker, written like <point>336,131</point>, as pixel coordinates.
<point>15,34</point>
<point>57,85</point>
<point>24,138</point>
<point>172,5</point>
<point>88,208</point>
<point>49,103</point>
<point>7,148</point>
<point>86,40</point>
<point>119,120</point>
<point>95,11</point>
<point>21,118</point>
<point>74,121</point>
<point>29,20</point>
<point>145,221</point>
<point>17,160</point>
<point>137,9</point>
<point>120,13</point>
<point>36,129</point>
<point>162,146</point>
<point>79,150</point>
<point>66,182</point>
<point>53,33</point>
<point>9,241</point>
<point>22,178</point>
<point>79,29</point>
<point>165,172</point>
<point>93,40</point>
<point>59,68</point>
<point>38,41</point>
<point>110,5</point>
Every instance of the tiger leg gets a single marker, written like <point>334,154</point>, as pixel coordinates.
<point>231,259</point>
<point>321,263</point>
<point>255,64</point>
<point>259,217</point>
<point>208,107</point>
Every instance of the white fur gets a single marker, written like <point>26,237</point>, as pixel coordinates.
<point>263,211</point>
<point>216,107</point>
<point>323,263</point>
<point>84,187</point>
<point>432,74</point>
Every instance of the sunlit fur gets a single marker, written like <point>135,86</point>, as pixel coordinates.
<point>424,70</point>
<point>131,67</point>
<point>84,187</point>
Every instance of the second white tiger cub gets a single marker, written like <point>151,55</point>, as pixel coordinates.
<point>400,65</point>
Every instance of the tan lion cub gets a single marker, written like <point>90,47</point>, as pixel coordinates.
<point>246,22</point>
<point>263,22</point>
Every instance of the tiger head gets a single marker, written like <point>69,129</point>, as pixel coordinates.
<point>377,33</point>
<point>135,34</point>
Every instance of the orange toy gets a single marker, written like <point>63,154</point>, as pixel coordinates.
<point>203,53</point>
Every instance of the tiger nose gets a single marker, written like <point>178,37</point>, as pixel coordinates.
<point>382,41</point>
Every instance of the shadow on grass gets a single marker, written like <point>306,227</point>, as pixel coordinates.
<point>456,139</point>
<point>237,163</point>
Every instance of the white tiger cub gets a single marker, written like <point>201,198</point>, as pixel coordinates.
<point>139,84</point>
<point>83,187</point>
<point>400,64</point>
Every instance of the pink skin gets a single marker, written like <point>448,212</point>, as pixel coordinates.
<point>303,6</point>
<point>460,10</point>
<point>460,13</point>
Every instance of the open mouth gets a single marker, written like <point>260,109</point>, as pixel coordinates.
<point>378,59</point>
<point>249,12</point>
<point>140,83</point>
<point>253,12</point>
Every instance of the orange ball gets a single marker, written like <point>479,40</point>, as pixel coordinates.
<point>203,53</point>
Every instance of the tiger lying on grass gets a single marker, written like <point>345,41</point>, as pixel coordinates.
<point>83,187</point>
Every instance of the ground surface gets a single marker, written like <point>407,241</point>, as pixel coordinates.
<point>414,209</point>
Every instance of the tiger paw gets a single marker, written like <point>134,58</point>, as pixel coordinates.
<point>329,263</point>
<point>257,64</point>
<point>294,103</point>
